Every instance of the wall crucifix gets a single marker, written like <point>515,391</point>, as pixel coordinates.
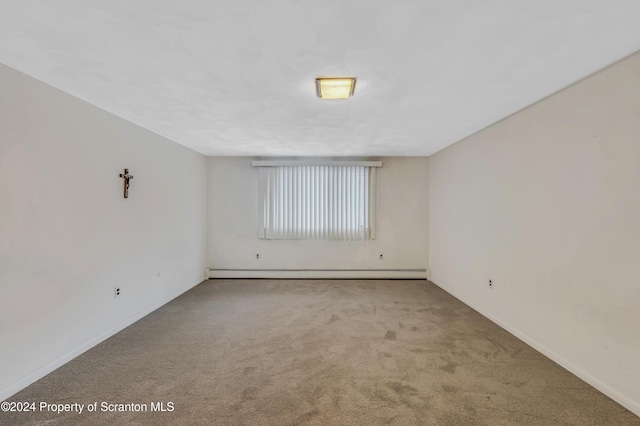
<point>126,177</point>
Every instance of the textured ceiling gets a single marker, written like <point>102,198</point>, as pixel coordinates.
<point>236,77</point>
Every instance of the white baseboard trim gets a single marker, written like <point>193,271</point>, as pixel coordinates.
<point>628,403</point>
<point>409,274</point>
<point>43,371</point>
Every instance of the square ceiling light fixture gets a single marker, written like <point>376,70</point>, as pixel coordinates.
<point>335,87</point>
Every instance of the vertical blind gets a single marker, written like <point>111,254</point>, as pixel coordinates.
<point>314,202</point>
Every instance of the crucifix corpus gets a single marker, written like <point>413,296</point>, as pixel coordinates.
<point>126,177</point>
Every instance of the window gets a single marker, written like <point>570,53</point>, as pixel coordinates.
<point>324,201</point>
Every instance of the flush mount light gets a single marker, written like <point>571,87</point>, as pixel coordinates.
<point>335,87</point>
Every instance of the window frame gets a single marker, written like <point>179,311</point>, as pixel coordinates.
<point>267,205</point>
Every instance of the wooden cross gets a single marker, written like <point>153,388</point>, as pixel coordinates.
<point>126,176</point>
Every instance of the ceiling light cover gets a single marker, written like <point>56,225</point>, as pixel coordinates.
<point>335,87</point>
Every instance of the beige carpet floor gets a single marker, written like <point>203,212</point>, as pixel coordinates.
<point>317,352</point>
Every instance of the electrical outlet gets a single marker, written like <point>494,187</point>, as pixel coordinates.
<point>257,255</point>
<point>490,283</point>
<point>116,292</point>
<point>380,256</point>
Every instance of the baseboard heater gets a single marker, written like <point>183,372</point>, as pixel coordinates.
<point>409,274</point>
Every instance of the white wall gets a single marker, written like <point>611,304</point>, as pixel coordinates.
<point>401,231</point>
<point>67,235</point>
<point>547,204</point>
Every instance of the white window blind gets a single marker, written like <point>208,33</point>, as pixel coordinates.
<point>317,202</point>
